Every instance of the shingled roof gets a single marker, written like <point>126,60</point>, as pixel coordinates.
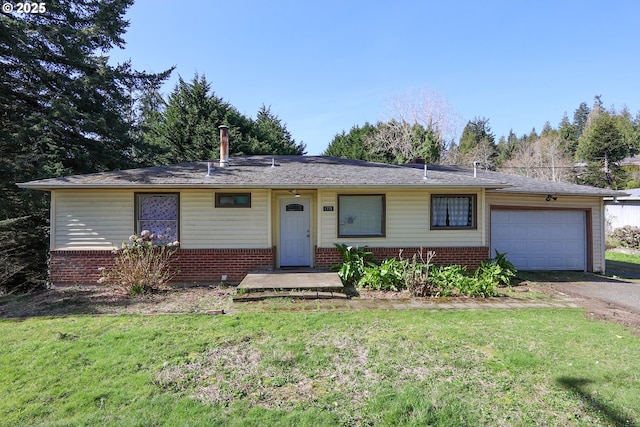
<point>311,172</point>
<point>523,185</point>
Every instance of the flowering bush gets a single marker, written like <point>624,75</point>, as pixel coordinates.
<point>140,266</point>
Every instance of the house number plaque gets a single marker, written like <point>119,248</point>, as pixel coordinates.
<point>327,208</point>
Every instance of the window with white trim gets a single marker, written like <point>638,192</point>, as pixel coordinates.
<point>361,215</point>
<point>158,213</point>
<point>453,212</point>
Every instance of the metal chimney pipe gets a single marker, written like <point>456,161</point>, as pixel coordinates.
<point>224,145</point>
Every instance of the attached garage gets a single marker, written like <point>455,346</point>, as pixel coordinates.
<point>541,239</point>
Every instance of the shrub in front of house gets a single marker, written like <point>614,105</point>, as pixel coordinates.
<point>420,277</point>
<point>140,266</point>
<point>388,276</point>
<point>352,267</point>
<point>452,280</point>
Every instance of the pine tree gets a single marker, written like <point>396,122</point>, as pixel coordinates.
<point>568,134</point>
<point>476,131</point>
<point>63,110</point>
<point>273,135</point>
<point>187,129</point>
<point>602,146</point>
<point>351,145</point>
<point>580,117</point>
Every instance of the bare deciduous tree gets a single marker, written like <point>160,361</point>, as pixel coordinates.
<point>429,109</point>
<point>401,142</point>
<point>543,158</point>
<point>483,154</point>
<point>420,123</point>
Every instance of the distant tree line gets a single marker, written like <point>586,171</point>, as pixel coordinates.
<point>587,149</point>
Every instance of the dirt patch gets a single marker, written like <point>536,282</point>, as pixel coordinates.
<point>103,300</point>
<point>595,308</point>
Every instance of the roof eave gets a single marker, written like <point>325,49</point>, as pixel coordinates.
<point>563,193</point>
<point>36,186</point>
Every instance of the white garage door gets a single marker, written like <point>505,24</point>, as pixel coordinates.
<point>539,239</point>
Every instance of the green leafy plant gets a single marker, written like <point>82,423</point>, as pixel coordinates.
<point>447,279</point>
<point>510,269</point>
<point>388,276</point>
<point>456,280</point>
<point>353,263</point>
<point>139,265</point>
<point>485,280</point>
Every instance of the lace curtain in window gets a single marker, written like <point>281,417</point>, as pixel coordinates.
<point>452,211</point>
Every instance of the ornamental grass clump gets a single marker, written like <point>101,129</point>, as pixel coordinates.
<point>140,265</point>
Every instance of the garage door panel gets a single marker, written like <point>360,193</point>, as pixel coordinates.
<point>539,239</point>
<point>552,230</point>
<point>535,247</point>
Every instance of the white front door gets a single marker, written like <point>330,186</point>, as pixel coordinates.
<point>295,234</point>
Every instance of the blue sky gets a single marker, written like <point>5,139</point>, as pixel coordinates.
<point>327,65</point>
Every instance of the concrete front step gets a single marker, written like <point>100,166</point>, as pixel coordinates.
<point>258,296</point>
<point>286,281</point>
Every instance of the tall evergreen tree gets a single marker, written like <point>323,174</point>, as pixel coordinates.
<point>547,130</point>
<point>63,109</point>
<point>628,130</point>
<point>568,134</point>
<point>476,131</point>
<point>351,145</point>
<point>602,146</point>
<point>506,147</point>
<point>149,117</point>
<point>272,136</point>
<point>187,129</point>
<point>580,117</point>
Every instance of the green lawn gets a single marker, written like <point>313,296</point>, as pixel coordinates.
<point>405,367</point>
<point>621,257</point>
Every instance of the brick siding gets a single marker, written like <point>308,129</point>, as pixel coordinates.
<point>467,256</point>
<point>208,265</point>
<point>192,265</point>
